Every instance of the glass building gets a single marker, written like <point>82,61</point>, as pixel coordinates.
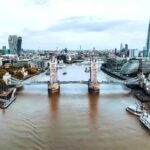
<point>147,54</point>
<point>15,43</point>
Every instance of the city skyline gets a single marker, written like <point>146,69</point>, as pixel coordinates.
<point>56,24</point>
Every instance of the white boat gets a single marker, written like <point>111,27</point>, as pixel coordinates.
<point>145,119</point>
<point>135,110</point>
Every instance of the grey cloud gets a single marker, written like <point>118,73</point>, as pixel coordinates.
<point>132,31</point>
<point>90,24</point>
<point>86,24</point>
<point>33,32</point>
<point>39,2</point>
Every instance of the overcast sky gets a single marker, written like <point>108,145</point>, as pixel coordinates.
<point>51,24</point>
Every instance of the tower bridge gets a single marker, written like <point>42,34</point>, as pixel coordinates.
<point>54,83</point>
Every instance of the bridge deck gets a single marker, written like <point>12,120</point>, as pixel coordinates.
<point>68,82</point>
<point>73,82</point>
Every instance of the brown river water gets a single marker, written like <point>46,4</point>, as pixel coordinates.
<point>73,119</point>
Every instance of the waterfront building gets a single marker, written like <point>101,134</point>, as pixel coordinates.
<point>134,66</point>
<point>4,47</point>
<point>115,63</point>
<point>22,62</point>
<point>131,53</point>
<point>15,43</point>
<point>39,63</point>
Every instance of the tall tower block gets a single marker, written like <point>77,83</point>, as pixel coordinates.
<point>15,43</point>
<point>148,41</point>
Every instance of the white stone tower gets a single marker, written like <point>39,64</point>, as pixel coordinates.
<point>93,85</point>
<point>53,85</point>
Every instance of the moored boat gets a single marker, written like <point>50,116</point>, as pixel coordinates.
<point>145,119</point>
<point>135,110</point>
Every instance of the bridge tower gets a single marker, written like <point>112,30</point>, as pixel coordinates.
<point>53,84</point>
<point>93,85</point>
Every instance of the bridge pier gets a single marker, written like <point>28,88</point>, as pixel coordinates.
<point>93,87</point>
<point>53,87</point>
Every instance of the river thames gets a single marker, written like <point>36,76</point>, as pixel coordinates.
<point>73,119</point>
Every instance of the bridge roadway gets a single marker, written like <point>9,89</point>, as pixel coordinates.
<point>65,82</point>
<point>134,81</point>
<point>71,82</point>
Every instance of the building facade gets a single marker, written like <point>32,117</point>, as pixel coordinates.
<point>15,43</point>
<point>148,42</point>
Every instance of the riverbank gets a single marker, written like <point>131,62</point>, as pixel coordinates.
<point>137,92</point>
<point>112,73</point>
<point>7,97</point>
<point>117,75</point>
<point>31,75</point>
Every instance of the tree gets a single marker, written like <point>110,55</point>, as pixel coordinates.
<point>3,86</point>
<point>19,75</point>
<point>2,72</point>
<point>25,65</point>
<point>11,71</point>
<point>32,70</point>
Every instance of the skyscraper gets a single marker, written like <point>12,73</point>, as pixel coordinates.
<point>15,43</point>
<point>19,43</point>
<point>126,47</point>
<point>121,47</point>
<point>148,42</point>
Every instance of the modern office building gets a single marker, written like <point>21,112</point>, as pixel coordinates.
<point>15,43</point>
<point>121,47</point>
<point>19,43</point>
<point>148,43</point>
<point>131,53</point>
<point>4,47</point>
<point>126,47</point>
